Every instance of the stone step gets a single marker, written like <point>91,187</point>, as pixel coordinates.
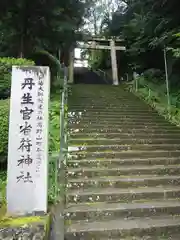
<point>112,211</point>
<point>115,98</point>
<point>106,104</point>
<point>106,109</point>
<point>100,102</point>
<point>123,181</point>
<point>123,147</point>
<point>123,111</point>
<point>162,226</point>
<point>101,141</point>
<point>124,130</point>
<point>130,108</point>
<point>114,141</point>
<point>123,103</point>
<point>124,170</point>
<point>120,98</point>
<point>120,125</point>
<point>126,136</point>
<point>99,97</point>
<point>133,123</point>
<point>112,195</point>
<point>95,119</point>
<point>91,132</point>
<point>125,154</point>
<point>120,95</point>
<point>113,115</point>
<point>122,162</point>
<point>116,93</point>
<point>160,237</point>
<point>123,100</point>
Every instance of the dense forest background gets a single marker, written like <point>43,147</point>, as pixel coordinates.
<point>148,27</point>
<point>36,32</point>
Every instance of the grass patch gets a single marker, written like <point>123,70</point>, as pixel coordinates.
<point>15,222</point>
<point>155,96</point>
<point>3,177</point>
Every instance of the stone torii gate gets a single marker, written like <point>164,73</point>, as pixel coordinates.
<point>94,44</point>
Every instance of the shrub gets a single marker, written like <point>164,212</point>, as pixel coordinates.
<point>54,126</point>
<point>154,75</point>
<point>5,85</point>
<point>4,125</point>
<point>5,73</point>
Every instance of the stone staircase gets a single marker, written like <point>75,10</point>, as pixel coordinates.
<point>123,172</point>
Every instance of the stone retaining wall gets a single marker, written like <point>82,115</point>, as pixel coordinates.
<point>25,228</point>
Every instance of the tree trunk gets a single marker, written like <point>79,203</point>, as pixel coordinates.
<point>21,51</point>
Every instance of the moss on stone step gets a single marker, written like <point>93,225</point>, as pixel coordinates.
<point>27,227</point>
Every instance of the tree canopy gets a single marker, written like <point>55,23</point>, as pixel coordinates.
<point>147,27</point>
<point>39,24</point>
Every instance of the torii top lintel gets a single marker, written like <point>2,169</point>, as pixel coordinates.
<point>94,43</point>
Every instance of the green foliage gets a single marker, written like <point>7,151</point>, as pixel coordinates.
<point>95,58</point>
<point>5,85</point>
<point>48,25</point>
<point>155,75</point>
<point>5,73</point>
<point>155,95</point>
<point>3,177</point>
<point>54,141</point>
<point>4,122</point>
<point>148,26</point>
<point>52,180</point>
<point>45,58</point>
<point>176,52</point>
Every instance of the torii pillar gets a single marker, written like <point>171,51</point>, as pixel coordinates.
<point>71,66</point>
<point>114,63</point>
<point>93,50</point>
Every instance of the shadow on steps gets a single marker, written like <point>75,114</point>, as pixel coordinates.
<point>86,76</point>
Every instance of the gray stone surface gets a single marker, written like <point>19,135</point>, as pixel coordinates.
<point>123,168</point>
<point>57,222</point>
<point>26,232</point>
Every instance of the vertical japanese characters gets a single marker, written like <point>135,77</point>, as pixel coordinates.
<point>39,127</point>
<point>26,144</point>
<point>25,130</point>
